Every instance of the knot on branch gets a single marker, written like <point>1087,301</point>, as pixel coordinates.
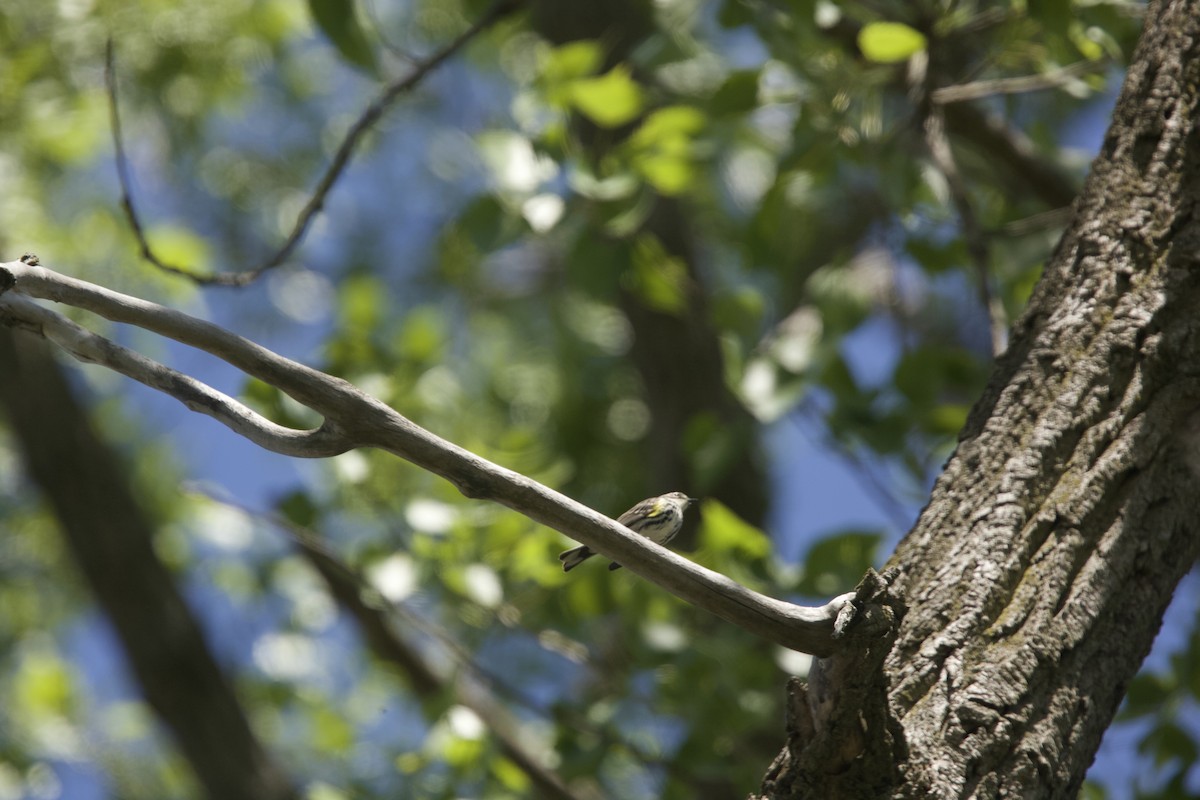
<point>872,614</point>
<point>843,740</point>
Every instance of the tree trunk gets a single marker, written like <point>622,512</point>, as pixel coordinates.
<point>1036,579</point>
<point>111,540</point>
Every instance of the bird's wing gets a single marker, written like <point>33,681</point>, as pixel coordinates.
<point>646,508</point>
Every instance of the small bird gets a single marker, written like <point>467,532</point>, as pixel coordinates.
<point>656,518</point>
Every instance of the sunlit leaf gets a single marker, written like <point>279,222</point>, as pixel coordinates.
<point>44,685</point>
<point>422,334</point>
<point>670,175</point>
<point>70,131</point>
<point>725,532</point>
<point>611,100</point>
<point>572,61</point>
<point>670,126</point>
<point>947,418</point>
<point>889,42</point>
<point>657,277</point>
<point>179,247</point>
<point>332,732</point>
<point>361,298</point>
<point>510,776</point>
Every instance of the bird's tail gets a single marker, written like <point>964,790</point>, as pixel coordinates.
<point>573,558</point>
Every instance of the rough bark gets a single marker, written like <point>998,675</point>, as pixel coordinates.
<point>1036,578</point>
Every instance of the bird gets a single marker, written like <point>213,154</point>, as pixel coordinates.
<point>656,518</point>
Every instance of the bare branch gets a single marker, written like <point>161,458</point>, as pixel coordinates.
<point>355,419</point>
<point>388,645</point>
<point>873,484</point>
<point>1012,153</point>
<point>942,155</point>
<point>369,116</point>
<point>1025,83</point>
<point>90,347</point>
<point>350,589</point>
<point>1035,223</point>
<point>135,223</point>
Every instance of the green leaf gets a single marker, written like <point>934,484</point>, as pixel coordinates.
<point>663,146</point>
<point>44,687</point>
<point>1146,695</point>
<point>1167,742</point>
<point>890,42</point>
<point>836,564</point>
<point>936,256</point>
<point>423,335</point>
<point>362,299</point>
<point>725,532</point>
<point>947,418</point>
<point>657,278</point>
<point>179,247</point>
<point>738,95</point>
<point>70,133</point>
<point>611,100</point>
<point>331,732</point>
<point>571,62</point>
<point>510,776</point>
<point>670,175</point>
<point>338,20</point>
<point>299,509</point>
<point>669,127</point>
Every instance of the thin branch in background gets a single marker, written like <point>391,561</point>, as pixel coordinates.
<point>370,609</point>
<point>887,502</point>
<point>1012,153</point>
<point>1037,223</point>
<point>109,535</point>
<point>350,142</point>
<point>979,90</point>
<point>131,215</point>
<point>933,126</point>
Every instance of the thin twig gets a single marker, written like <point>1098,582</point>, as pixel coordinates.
<point>942,155</point>
<point>369,116</point>
<point>884,498</point>
<point>131,215</point>
<point>1011,153</point>
<point>978,90</point>
<point>1037,223</point>
<point>350,589</point>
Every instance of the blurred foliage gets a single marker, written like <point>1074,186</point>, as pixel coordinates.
<point>474,269</point>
